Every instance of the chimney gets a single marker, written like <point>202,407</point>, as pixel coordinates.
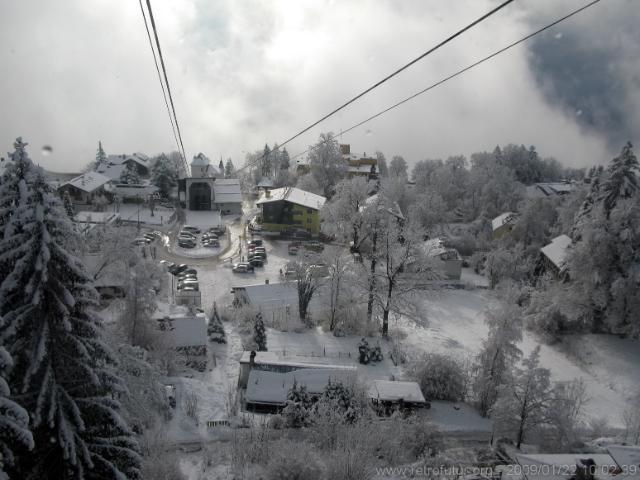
<point>266,281</point>
<point>267,193</point>
<point>252,359</point>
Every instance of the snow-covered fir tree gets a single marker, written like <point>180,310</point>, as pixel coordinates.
<point>101,157</point>
<point>285,160</point>
<point>298,406</point>
<point>259,334</point>
<point>163,175</point>
<point>215,329</point>
<point>68,204</point>
<point>14,420</point>
<point>63,372</point>
<point>130,175</point>
<point>265,162</point>
<point>221,166</point>
<point>622,179</point>
<point>229,169</point>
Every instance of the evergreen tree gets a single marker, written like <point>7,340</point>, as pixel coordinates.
<point>298,407</point>
<point>14,420</point>
<point>285,161</point>
<point>229,169</point>
<point>163,175</point>
<point>68,204</point>
<point>342,400</point>
<point>129,175</point>
<point>221,166</point>
<point>215,329</point>
<point>259,334</point>
<point>63,372</point>
<point>622,181</point>
<point>266,161</point>
<point>101,157</point>
<point>13,184</point>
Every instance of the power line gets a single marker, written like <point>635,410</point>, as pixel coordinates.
<point>166,79</point>
<point>155,60</point>
<point>459,72</point>
<point>391,75</point>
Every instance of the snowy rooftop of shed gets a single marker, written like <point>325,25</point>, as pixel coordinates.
<point>391,391</point>
<point>458,417</point>
<point>556,251</point>
<point>89,181</point>
<point>626,456</point>
<point>503,219</point>
<point>272,387</point>
<point>294,195</point>
<point>270,358</point>
<point>268,292</point>
<point>435,247</point>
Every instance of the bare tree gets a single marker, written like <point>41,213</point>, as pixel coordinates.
<point>307,282</point>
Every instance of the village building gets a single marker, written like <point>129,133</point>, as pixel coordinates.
<point>267,391</point>
<point>116,164</point>
<point>554,254</point>
<point>503,224</point>
<point>185,330</point>
<point>359,165</point>
<point>446,260</point>
<point>288,208</point>
<point>86,188</point>
<point>388,396</point>
<point>207,190</point>
<point>549,189</point>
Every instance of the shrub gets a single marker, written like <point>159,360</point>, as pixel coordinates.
<point>440,377</point>
<point>293,461</point>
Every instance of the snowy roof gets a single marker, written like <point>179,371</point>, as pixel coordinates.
<point>556,251</point>
<point>626,456</point>
<point>112,171</point>
<point>457,417</point>
<point>265,182</point>
<point>503,219</point>
<point>272,388</point>
<point>270,358</point>
<point>200,160</point>
<point>555,188</point>
<point>389,391</point>
<point>227,190</point>
<point>127,191</point>
<point>564,463</point>
<point>138,157</point>
<point>266,293</point>
<point>95,217</point>
<point>185,329</point>
<point>294,195</point>
<point>434,247</point>
<point>88,182</point>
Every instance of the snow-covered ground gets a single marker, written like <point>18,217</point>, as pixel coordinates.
<point>455,324</point>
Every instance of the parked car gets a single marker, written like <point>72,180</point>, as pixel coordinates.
<point>186,234</point>
<point>186,282</point>
<point>186,243</point>
<point>243,267</point>
<point>213,243</point>
<point>219,230</point>
<point>255,241</point>
<point>293,249</point>
<point>256,261</point>
<point>167,264</point>
<point>300,233</point>
<point>141,241</point>
<point>190,288</point>
<point>190,228</point>
<point>150,236</point>
<point>314,246</point>
<point>176,269</point>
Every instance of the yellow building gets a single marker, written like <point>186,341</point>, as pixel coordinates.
<point>289,207</point>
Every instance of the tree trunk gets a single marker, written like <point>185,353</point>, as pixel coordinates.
<point>372,279</point>
<point>385,316</point>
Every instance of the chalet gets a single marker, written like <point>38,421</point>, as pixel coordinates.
<point>185,330</point>
<point>267,391</point>
<point>503,224</point>
<point>554,254</point>
<point>447,260</point>
<point>277,301</point>
<point>116,164</point>
<point>359,165</point>
<point>206,189</point>
<point>387,396</point>
<point>289,208</point>
<point>550,189</point>
<point>85,188</point>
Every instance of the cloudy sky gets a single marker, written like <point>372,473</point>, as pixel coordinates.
<point>246,72</point>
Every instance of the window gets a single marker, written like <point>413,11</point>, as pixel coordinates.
<point>309,210</point>
<point>309,220</point>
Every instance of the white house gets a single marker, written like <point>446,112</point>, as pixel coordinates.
<point>116,164</point>
<point>555,253</point>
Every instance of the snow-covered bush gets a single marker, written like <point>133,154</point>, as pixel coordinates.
<point>441,377</point>
<point>215,329</point>
<point>298,407</point>
<point>293,460</point>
